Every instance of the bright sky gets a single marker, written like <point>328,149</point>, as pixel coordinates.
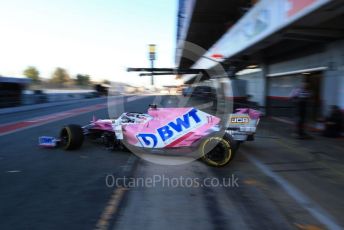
<point>96,37</point>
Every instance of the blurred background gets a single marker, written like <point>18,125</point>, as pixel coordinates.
<point>62,62</point>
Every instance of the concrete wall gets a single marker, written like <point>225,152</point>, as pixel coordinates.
<point>334,80</point>
<point>255,86</point>
<point>28,98</point>
<point>341,92</point>
<point>281,87</point>
<point>308,62</point>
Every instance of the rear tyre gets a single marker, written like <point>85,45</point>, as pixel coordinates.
<point>216,151</point>
<point>71,137</point>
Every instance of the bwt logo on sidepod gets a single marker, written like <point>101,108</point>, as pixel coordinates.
<point>173,129</point>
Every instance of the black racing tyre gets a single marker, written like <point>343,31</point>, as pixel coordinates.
<point>234,144</point>
<point>72,137</point>
<point>216,151</point>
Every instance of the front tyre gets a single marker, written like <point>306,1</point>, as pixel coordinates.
<point>216,151</point>
<point>72,137</point>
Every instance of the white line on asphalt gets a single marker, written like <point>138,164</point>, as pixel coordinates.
<point>315,210</point>
<point>133,98</point>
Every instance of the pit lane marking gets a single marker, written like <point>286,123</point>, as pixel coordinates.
<point>308,227</point>
<point>314,209</point>
<point>112,205</point>
<point>110,209</point>
<point>38,121</point>
<point>42,120</point>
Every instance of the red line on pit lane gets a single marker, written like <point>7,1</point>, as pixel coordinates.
<point>9,128</point>
<point>37,121</point>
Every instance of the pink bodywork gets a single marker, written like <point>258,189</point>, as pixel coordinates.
<point>105,125</point>
<point>161,117</point>
<point>253,114</point>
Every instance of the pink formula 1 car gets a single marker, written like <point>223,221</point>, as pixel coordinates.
<point>166,131</point>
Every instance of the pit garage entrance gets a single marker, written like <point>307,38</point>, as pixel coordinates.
<point>280,87</point>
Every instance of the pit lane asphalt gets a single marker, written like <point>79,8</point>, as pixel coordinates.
<point>18,116</point>
<point>54,189</point>
<point>50,188</point>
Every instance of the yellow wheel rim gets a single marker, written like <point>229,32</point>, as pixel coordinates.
<point>228,155</point>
